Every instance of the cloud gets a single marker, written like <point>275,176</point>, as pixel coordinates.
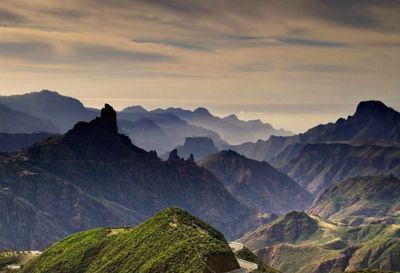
<point>26,50</point>
<point>190,45</point>
<point>105,53</point>
<point>68,14</point>
<point>255,67</point>
<point>320,68</point>
<point>310,42</point>
<point>353,13</point>
<point>8,18</point>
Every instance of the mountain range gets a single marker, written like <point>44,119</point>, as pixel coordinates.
<point>363,144</point>
<point>372,123</point>
<point>160,130</point>
<point>230,128</point>
<point>93,176</point>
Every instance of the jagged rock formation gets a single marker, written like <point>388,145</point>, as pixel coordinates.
<point>256,183</point>
<point>93,176</point>
<point>172,241</point>
<point>359,200</point>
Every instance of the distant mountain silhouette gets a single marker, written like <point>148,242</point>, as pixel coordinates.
<point>93,176</point>
<point>171,131</point>
<point>372,123</point>
<point>61,110</point>
<point>230,128</point>
<point>197,147</point>
<point>12,121</point>
<point>161,132</point>
<point>256,183</point>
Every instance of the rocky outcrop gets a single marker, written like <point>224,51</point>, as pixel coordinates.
<point>199,147</point>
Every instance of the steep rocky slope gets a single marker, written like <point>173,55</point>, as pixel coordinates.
<point>319,165</point>
<point>298,242</point>
<point>360,199</point>
<point>172,241</point>
<point>93,176</point>
<point>256,183</point>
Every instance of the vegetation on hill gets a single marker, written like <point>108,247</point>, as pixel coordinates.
<point>300,243</point>
<point>172,241</point>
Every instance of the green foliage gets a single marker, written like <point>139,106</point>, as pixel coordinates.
<point>330,245</point>
<point>172,241</point>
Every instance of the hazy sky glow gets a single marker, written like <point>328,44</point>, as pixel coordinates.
<point>291,63</point>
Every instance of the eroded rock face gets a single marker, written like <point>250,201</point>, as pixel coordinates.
<point>256,183</point>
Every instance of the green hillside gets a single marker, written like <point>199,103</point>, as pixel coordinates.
<point>171,241</point>
<point>300,243</point>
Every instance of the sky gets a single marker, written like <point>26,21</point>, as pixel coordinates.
<point>293,64</point>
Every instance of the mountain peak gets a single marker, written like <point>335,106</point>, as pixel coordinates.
<point>108,118</point>
<point>137,109</point>
<point>202,111</point>
<point>371,106</point>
